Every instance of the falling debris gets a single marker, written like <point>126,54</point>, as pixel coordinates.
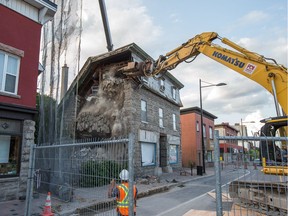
<point>103,113</point>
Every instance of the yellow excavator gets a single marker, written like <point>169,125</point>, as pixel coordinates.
<point>264,71</point>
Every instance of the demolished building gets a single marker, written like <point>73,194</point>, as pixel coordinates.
<point>102,102</point>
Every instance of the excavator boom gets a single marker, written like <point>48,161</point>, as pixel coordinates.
<point>270,75</point>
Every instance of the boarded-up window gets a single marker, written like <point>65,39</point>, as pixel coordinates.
<point>174,122</point>
<point>148,153</point>
<point>173,89</point>
<point>173,154</point>
<point>161,118</point>
<point>143,111</point>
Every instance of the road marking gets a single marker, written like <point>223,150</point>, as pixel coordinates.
<point>178,206</point>
<point>187,202</point>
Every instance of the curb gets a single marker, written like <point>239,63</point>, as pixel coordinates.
<point>167,187</point>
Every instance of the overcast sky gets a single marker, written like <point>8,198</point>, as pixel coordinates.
<point>158,26</point>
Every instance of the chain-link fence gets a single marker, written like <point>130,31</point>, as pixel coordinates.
<point>257,186</point>
<point>77,176</point>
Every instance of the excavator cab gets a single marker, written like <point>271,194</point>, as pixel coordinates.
<point>275,153</point>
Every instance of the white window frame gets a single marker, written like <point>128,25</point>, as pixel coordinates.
<point>144,111</point>
<point>4,72</point>
<point>210,132</point>
<point>204,130</point>
<point>174,122</point>
<point>161,124</point>
<point>144,80</point>
<point>162,85</point>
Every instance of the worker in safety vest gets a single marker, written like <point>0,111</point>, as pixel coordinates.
<point>121,192</point>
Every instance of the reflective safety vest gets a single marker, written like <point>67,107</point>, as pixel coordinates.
<point>123,199</point>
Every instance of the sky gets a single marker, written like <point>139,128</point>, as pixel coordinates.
<point>159,26</point>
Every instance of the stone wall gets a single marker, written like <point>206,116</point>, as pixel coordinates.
<point>115,111</point>
<point>154,102</point>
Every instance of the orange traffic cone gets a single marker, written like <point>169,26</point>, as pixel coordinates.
<point>47,208</point>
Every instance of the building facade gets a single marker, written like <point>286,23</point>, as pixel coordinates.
<point>229,149</point>
<point>242,131</point>
<point>21,23</point>
<point>191,136</point>
<point>111,103</point>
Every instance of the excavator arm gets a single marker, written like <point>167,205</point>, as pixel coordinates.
<point>263,71</point>
<point>270,75</point>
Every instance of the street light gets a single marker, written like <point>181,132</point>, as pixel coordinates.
<point>202,134</point>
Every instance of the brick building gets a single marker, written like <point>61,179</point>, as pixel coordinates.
<point>229,149</point>
<point>191,136</point>
<point>103,102</point>
<point>21,23</point>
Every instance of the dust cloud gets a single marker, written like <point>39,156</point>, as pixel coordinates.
<point>103,114</point>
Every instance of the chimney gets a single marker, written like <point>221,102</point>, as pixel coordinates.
<point>64,80</point>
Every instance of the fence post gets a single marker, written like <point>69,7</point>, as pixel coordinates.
<point>218,188</point>
<point>131,172</point>
<point>29,190</point>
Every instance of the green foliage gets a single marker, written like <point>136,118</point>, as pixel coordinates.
<point>254,153</point>
<point>94,173</point>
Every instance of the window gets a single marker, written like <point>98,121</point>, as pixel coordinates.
<point>143,111</point>
<point>148,153</point>
<point>174,121</point>
<point>173,154</point>
<point>210,132</point>
<point>144,79</point>
<point>209,156</point>
<point>162,85</point>
<point>10,146</point>
<point>197,126</point>
<point>204,130</point>
<point>94,90</point>
<point>161,118</point>
<point>9,72</point>
<point>173,92</point>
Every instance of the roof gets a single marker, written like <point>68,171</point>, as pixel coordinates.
<point>198,111</point>
<point>88,65</point>
<point>40,11</point>
<point>173,79</point>
<point>52,7</point>
<point>93,61</point>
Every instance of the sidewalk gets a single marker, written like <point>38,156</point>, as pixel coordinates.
<point>81,198</point>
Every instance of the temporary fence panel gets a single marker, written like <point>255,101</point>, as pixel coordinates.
<point>250,187</point>
<point>78,176</point>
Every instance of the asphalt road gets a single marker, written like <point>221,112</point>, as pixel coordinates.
<point>179,200</point>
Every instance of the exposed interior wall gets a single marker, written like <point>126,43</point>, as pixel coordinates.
<point>102,108</point>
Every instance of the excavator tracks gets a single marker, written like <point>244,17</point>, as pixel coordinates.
<point>268,198</point>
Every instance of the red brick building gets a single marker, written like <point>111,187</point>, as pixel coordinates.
<point>229,149</point>
<point>21,23</point>
<point>190,119</point>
